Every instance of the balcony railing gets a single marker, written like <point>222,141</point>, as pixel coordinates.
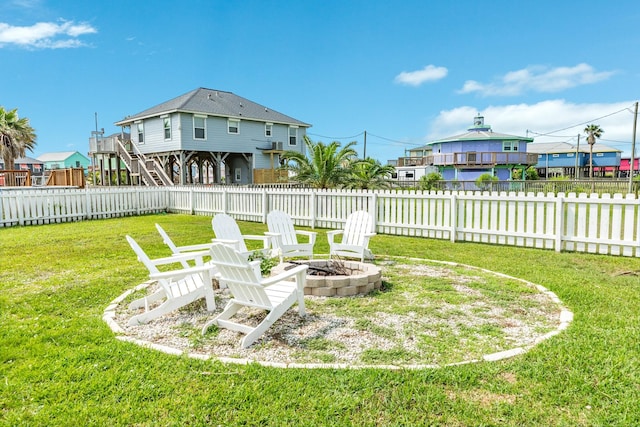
<point>471,159</point>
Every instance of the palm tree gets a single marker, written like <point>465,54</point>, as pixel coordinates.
<point>369,174</point>
<point>16,136</point>
<point>593,132</point>
<point>328,166</point>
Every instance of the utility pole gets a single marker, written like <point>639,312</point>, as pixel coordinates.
<point>364,154</point>
<point>633,148</point>
<point>577,154</point>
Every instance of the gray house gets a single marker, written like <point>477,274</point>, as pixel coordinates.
<point>209,136</point>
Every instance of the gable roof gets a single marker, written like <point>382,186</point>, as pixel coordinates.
<point>57,157</point>
<point>214,103</point>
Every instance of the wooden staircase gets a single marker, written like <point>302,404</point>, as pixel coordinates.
<point>149,170</point>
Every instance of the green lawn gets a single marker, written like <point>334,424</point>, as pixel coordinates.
<point>61,365</point>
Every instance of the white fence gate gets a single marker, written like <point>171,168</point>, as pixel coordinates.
<point>581,223</point>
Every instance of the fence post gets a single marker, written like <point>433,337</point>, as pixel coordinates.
<point>314,216</point>
<point>87,200</point>
<point>192,208</point>
<point>454,216</point>
<point>224,200</point>
<point>265,204</point>
<point>19,207</point>
<point>559,222</point>
<point>374,204</point>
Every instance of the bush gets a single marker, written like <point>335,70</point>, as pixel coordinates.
<point>485,181</point>
<point>430,181</point>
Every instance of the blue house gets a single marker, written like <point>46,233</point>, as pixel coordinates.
<point>208,135</point>
<point>479,151</point>
<point>563,159</point>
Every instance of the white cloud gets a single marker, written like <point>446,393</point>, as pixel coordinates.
<point>538,79</point>
<point>416,78</point>
<point>567,118</point>
<point>45,35</point>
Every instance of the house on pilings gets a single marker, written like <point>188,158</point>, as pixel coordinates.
<point>205,136</point>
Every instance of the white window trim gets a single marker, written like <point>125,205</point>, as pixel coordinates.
<point>270,127</point>
<point>199,116</point>
<point>237,126</point>
<point>164,117</point>
<point>296,135</point>
<point>140,124</point>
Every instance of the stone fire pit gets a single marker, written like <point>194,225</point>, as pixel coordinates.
<point>358,278</point>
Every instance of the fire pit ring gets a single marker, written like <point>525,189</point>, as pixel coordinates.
<point>360,278</point>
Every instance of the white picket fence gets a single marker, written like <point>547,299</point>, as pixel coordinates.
<point>581,223</point>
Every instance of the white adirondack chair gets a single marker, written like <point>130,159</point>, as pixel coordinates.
<point>274,294</point>
<point>284,238</point>
<point>227,232</point>
<point>355,237</point>
<point>177,287</point>
<point>177,250</point>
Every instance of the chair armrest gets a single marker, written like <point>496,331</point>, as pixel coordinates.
<point>310,234</point>
<point>284,275</point>
<point>332,234</point>
<point>178,274</point>
<point>190,248</point>
<point>187,256</point>
<point>266,239</point>
<point>369,234</point>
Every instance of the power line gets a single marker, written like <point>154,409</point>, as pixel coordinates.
<point>583,123</point>
<point>335,137</point>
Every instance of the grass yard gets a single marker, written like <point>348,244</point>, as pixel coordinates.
<point>60,363</point>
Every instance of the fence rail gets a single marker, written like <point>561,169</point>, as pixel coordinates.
<point>592,223</point>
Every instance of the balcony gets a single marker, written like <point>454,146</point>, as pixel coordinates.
<point>471,159</point>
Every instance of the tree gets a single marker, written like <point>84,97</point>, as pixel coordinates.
<point>328,166</point>
<point>593,133</point>
<point>429,181</point>
<point>16,136</point>
<point>369,174</point>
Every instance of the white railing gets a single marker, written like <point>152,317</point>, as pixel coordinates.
<point>580,223</point>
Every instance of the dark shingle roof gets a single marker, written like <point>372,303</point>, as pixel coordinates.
<point>215,103</point>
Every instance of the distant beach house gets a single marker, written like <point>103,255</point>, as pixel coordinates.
<point>35,166</point>
<point>466,156</point>
<point>204,136</point>
<point>64,160</point>
<point>561,159</point>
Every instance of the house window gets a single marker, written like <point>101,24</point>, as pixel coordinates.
<point>555,155</point>
<point>233,126</point>
<point>140,133</point>
<point>166,123</point>
<point>570,154</point>
<point>199,127</point>
<point>268,129</point>
<point>238,174</point>
<point>293,135</point>
<point>510,146</point>
<point>599,154</point>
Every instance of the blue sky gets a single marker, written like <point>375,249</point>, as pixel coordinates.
<point>406,72</point>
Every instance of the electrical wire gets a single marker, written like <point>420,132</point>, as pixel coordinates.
<point>583,123</point>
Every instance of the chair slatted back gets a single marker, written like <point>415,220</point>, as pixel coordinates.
<point>358,224</point>
<point>239,276</point>
<point>281,223</point>
<point>142,256</point>
<point>226,228</point>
